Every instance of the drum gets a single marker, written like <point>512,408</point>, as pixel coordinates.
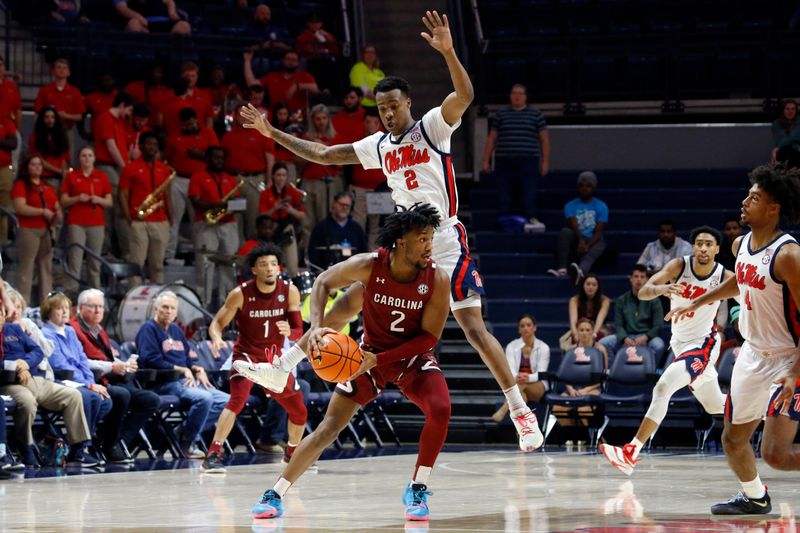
<point>304,281</point>
<point>138,307</point>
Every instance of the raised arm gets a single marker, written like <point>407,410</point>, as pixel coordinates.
<point>340,154</point>
<point>457,102</point>
<point>661,283</point>
<point>340,275</point>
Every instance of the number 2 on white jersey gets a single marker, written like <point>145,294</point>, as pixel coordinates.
<point>395,325</point>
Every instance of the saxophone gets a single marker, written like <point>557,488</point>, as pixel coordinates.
<point>213,216</point>
<point>155,200</point>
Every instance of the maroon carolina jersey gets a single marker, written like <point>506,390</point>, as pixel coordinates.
<point>258,317</point>
<point>393,310</point>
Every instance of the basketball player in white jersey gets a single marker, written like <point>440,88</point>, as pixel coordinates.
<point>695,341</point>
<point>414,156</point>
<point>765,377</point>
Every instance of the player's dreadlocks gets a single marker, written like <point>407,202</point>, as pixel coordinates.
<point>783,185</point>
<point>417,217</point>
<point>261,251</point>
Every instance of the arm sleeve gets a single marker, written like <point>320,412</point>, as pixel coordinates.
<point>33,354</point>
<point>367,150</point>
<point>437,129</point>
<point>420,344</point>
<point>38,337</point>
<point>510,347</point>
<point>103,366</point>
<point>569,210</point>
<point>620,318</point>
<point>296,325</point>
<point>602,212</point>
<point>645,257</point>
<point>149,350</point>
<point>542,363</point>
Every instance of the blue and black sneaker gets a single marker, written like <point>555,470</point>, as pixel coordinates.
<point>415,499</point>
<point>742,504</point>
<point>269,506</point>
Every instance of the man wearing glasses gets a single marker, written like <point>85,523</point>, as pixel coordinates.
<point>338,236</point>
<point>133,406</point>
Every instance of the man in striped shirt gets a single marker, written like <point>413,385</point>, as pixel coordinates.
<point>521,145</point>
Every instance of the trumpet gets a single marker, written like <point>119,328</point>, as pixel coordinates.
<point>155,200</point>
<point>213,216</point>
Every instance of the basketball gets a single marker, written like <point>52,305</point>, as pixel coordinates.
<point>338,360</point>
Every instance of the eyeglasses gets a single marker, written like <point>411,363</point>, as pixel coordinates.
<point>348,205</point>
<point>93,306</point>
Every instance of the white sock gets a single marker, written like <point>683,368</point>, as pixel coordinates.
<point>422,474</point>
<point>514,398</point>
<point>291,358</point>
<point>638,447</point>
<point>754,489</point>
<point>281,486</point>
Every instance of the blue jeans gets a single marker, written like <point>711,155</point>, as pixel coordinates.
<point>613,345</point>
<point>205,406</point>
<point>95,407</point>
<point>516,176</point>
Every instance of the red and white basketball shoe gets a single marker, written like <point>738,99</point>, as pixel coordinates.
<point>620,458</point>
<point>530,436</point>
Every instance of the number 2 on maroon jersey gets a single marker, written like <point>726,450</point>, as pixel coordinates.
<point>411,179</point>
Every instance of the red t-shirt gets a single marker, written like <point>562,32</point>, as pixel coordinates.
<point>177,152</point>
<point>7,127</point>
<point>349,127</point>
<point>279,83</point>
<point>33,198</point>
<point>98,103</point>
<point>55,160</point>
<point>76,183</point>
<point>367,179</point>
<point>308,45</point>
<point>270,196</point>
<point>140,179</point>
<point>154,97</point>
<point>218,94</point>
<point>258,331</point>
<point>69,100</point>
<point>315,171</point>
<point>198,100</point>
<point>110,127</point>
<point>10,100</point>
<point>211,188</point>
<point>245,149</point>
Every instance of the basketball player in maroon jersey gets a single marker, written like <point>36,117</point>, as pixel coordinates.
<point>266,310</point>
<point>406,301</point>
<point>766,376</point>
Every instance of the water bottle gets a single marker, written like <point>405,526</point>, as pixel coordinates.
<point>347,249</point>
<point>60,453</point>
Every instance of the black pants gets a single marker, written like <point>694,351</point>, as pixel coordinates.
<point>132,409</point>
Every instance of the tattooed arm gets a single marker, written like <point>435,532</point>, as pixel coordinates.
<point>340,154</point>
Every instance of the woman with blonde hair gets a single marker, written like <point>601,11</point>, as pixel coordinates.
<point>85,193</point>
<point>321,182</point>
<point>38,212</point>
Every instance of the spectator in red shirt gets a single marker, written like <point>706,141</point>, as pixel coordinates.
<point>99,101</point>
<point>320,51</point>
<point>270,232</point>
<point>49,141</point>
<point>85,194</point>
<point>144,16</point>
<point>289,85</point>
<point>38,211</point>
<point>139,124</point>
<point>151,91</point>
<point>321,182</point>
<point>251,159</point>
<point>10,100</point>
<point>149,232</point>
<point>283,203</point>
<point>8,143</point>
<point>364,181</point>
<point>349,122</point>
<point>220,91</point>
<point>198,98</point>
<point>186,154</point>
<point>65,98</point>
<point>111,143</point>
<point>186,97</point>
<point>206,190</point>
<point>257,96</point>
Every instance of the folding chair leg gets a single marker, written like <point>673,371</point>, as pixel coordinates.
<point>371,426</point>
<point>547,426</point>
<point>248,443</point>
<point>173,444</point>
<point>356,437</point>
<point>389,425</point>
<point>602,429</point>
<point>145,445</point>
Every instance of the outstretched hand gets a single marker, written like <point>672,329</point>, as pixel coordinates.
<point>439,37</point>
<point>253,119</point>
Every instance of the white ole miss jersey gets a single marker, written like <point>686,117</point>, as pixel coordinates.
<point>768,319</point>
<point>417,164</point>
<point>700,323</point>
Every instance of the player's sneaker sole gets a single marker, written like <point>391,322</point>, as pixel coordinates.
<point>263,374</point>
<point>527,426</point>
<point>613,455</point>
